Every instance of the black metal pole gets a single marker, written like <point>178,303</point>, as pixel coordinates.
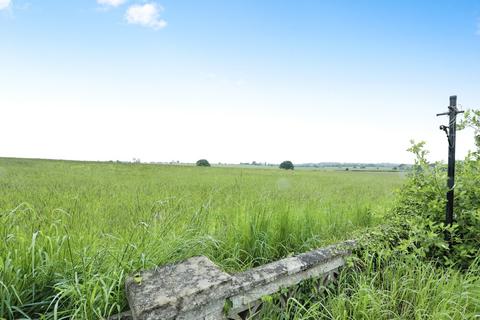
<point>451,132</point>
<point>451,158</point>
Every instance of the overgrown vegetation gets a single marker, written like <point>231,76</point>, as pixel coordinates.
<point>401,287</point>
<point>405,268</point>
<point>417,221</point>
<point>72,231</point>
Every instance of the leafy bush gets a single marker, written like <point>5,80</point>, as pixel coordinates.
<point>417,222</point>
<point>203,163</point>
<point>287,165</point>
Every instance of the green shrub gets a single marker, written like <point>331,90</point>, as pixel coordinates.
<point>416,224</point>
<point>287,165</point>
<point>203,163</point>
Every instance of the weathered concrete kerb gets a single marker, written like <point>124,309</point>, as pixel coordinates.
<point>197,289</point>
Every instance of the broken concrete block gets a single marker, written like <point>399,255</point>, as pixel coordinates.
<point>192,289</point>
<point>197,289</point>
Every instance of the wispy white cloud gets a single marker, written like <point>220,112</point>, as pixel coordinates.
<point>5,4</point>
<point>111,3</point>
<point>147,15</point>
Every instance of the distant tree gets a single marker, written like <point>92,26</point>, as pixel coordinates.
<point>287,165</point>
<point>346,169</point>
<point>203,163</point>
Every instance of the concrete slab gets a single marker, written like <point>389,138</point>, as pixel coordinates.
<point>166,292</point>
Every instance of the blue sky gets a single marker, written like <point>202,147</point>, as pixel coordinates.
<point>234,81</point>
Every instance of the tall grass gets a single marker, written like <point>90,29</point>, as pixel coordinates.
<point>402,288</point>
<point>72,231</point>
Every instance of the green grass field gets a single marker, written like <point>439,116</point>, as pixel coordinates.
<point>71,231</point>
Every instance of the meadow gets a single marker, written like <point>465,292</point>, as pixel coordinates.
<point>72,231</point>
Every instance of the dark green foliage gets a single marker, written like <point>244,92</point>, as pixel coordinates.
<point>287,165</point>
<point>203,163</point>
<point>417,222</point>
